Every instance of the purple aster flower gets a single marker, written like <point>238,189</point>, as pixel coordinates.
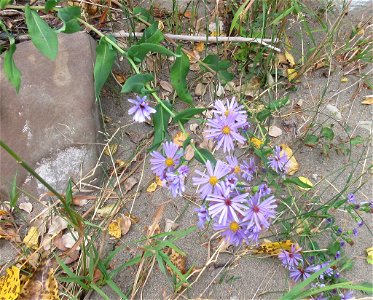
<point>347,295</point>
<point>141,109</point>
<point>233,163</point>
<point>279,160</point>
<point>319,297</point>
<point>167,163</point>
<point>231,181</point>
<point>339,231</point>
<point>264,189</point>
<point>203,216</point>
<point>259,212</point>
<point>300,273</point>
<point>252,233</point>
<point>209,182</point>
<point>291,259</point>
<point>351,199</point>
<point>354,231</point>
<point>233,232</point>
<point>342,243</point>
<point>183,170</point>
<point>232,109</point>
<point>225,132</point>
<point>337,255</point>
<point>248,169</point>
<point>227,205</point>
<point>327,272</point>
<point>176,183</point>
<point>360,223</point>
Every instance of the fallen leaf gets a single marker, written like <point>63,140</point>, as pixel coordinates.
<point>273,248</point>
<point>200,46</point>
<point>344,79</point>
<point>370,255</point>
<point>368,100</point>
<point>81,200</point>
<point>72,257</point>
<point>170,225</point>
<point>114,228</point>
<point>292,165</point>
<point>125,224</point>
<point>292,74</point>
<point>110,149</point>
<point>166,86</point>
<point>189,152</point>
<point>193,127</point>
<point>7,228</point>
<point>306,181</point>
<point>26,206</point>
<point>119,77</point>
<point>10,285</point>
<point>188,14</point>
<point>130,183</point>
<point>110,209</point>
<point>57,225</point>
<point>133,218</point>
<point>177,259</point>
<point>31,240</point>
<point>160,25</point>
<point>179,138</point>
<point>220,91</point>
<point>274,131</point>
<point>290,58</point>
<point>281,59</point>
<point>152,187</point>
<point>57,241</point>
<point>334,112</point>
<point>69,239</point>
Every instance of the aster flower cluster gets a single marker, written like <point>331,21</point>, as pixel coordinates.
<point>168,167</point>
<point>240,215</point>
<point>224,128</point>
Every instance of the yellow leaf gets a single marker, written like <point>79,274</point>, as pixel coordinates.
<point>370,255</point>
<point>292,74</point>
<point>179,138</point>
<point>368,100</point>
<point>10,285</point>
<point>177,259</point>
<point>160,25</point>
<point>292,165</point>
<point>115,228</point>
<point>152,187</point>
<point>273,248</point>
<point>344,79</point>
<point>31,240</point>
<point>110,209</point>
<point>200,46</point>
<point>257,143</point>
<point>306,181</point>
<point>290,59</point>
<point>110,149</point>
<point>158,181</point>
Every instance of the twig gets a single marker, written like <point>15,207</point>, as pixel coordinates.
<point>203,38</point>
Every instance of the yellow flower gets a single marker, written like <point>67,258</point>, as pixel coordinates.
<point>257,143</point>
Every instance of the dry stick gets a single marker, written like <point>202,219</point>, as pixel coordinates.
<point>203,38</point>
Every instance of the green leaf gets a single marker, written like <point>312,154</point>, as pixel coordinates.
<point>14,195</point>
<point>136,83</point>
<point>220,66</point>
<point>271,107</point>
<point>297,182</point>
<point>160,121</point>
<point>178,74</point>
<point>105,56</point>
<point>237,16</point>
<point>69,15</point>
<point>143,14</point>
<point>187,114</point>
<point>311,139</point>
<point>152,35</point>
<point>203,155</point>
<point>50,4</point>
<point>138,52</point>
<point>42,36</point>
<point>10,69</point>
<point>4,3</point>
<point>357,140</point>
<point>327,133</point>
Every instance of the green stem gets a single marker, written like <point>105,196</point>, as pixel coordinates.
<point>30,170</point>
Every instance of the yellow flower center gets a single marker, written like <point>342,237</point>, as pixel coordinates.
<point>234,226</point>
<point>226,113</point>
<point>169,162</point>
<point>237,169</point>
<point>226,130</point>
<point>213,180</point>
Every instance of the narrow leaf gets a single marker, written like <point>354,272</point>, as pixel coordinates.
<point>10,69</point>
<point>187,114</point>
<point>42,36</point>
<point>105,56</point>
<point>136,83</point>
<point>178,74</point>
<point>13,192</point>
<point>4,3</point>
<point>160,121</point>
<point>138,52</point>
<point>203,155</point>
<point>152,35</point>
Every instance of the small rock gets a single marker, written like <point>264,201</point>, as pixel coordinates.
<point>199,89</point>
<point>274,131</point>
<point>26,206</point>
<point>334,111</point>
<point>314,176</point>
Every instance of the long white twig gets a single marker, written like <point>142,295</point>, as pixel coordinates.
<point>203,38</point>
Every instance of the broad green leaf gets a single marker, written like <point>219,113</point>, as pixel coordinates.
<point>187,114</point>
<point>220,66</point>
<point>10,69</point>
<point>138,52</point>
<point>298,182</point>
<point>50,4</point>
<point>152,35</point>
<point>178,73</point>
<point>4,3</point>
<point>69,15</point>
<point>143,14</point>
<point>356,140</point>
<point>105,56</point>
<point>160,121</point>
<point>203,155</point>
<point>136,83</point>
<point>327,133</point>
<point>311,139</point>
<point>42,36</point>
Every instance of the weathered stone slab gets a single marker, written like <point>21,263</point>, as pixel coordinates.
<point>52,122</point>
